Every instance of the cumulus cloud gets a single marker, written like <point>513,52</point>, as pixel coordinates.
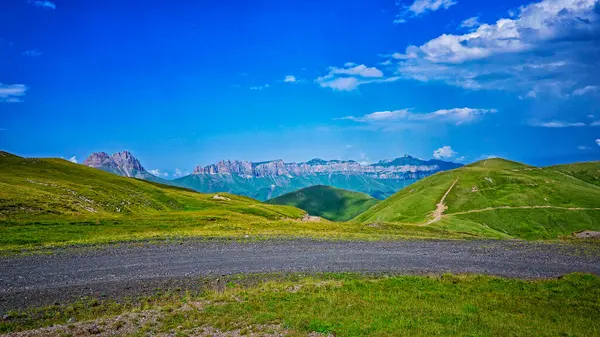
<point>556,124</point>
<point>32,53</point>
<point>457,116</point>
<point>73,159</point>
<point>351,76</point>
<point>290,79</point>
<point>158,173</point>
<point>547,46</point>
<point>12,93</point>
<point>444,152</point>
<point>420,7</point>
<point>598,141</point>
<point>43,4</point>
<point>586,90</point>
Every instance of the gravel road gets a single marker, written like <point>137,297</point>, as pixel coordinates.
<point>130,269</point>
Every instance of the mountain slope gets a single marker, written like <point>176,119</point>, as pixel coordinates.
<point>511,198</point>
<point>31,187</point>
<point>266,180</point>
<point>588,172</point>
<point>265,188</point>
<point>328,202</point>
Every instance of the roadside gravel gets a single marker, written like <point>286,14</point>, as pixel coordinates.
<point>134,269</point>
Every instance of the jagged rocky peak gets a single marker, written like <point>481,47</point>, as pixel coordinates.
<point>99,159</point>
<point>121,163</point>
<point>128,164</point>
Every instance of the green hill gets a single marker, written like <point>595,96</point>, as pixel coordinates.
<point>39,187</point>
<point>328,202</point>
<point>589,172</point>
<point>49,201</point>
<point>508,198</point>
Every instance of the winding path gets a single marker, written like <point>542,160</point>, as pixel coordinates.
<point>441,207</point>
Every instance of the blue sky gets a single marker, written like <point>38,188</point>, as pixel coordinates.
<point>181,83</point>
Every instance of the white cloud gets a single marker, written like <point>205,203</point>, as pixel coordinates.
<point>556,124</point>
<point>44,4</point>
<point>290,79</point>
<point>586,90</point>
<point>12,93</point>
<point>420,7</point>
<point>32,53</point>
<point>582,147</point>
<point>548,47</point>
<point>364,159</point>
<point>73,159</point>
<point>352,76</point>
<point>457,116</point>
<point>179,173</point>
<point>595,123</point>
<point>470,22</point>
<point>598,141</point>
<point>354,70</point>
<point>156,172</point>
<point>444,152</point>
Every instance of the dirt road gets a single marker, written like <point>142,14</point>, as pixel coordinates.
<point>129,269</point>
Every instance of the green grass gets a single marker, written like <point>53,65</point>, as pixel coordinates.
<point>37,188</point>
<point>331,203</point>
<point>53,202</point>
<point>355,305</point>
<point>497,183</point>
<point>35,234</point>
<point>588,172</point>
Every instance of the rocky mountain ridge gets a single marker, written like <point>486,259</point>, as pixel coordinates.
<point>398,168</point>
<point>266,180</point>
<point>122,163</point>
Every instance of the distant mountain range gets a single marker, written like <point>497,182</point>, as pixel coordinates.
<point>266,180</point>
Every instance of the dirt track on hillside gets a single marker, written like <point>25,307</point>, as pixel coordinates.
<point>129,269</point>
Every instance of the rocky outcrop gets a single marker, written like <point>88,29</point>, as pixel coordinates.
<point>404,167</point>
<point>122,163</point>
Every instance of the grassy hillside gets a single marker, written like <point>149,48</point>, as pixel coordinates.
<point>588,172</point>
<point>53,201</point>
<point>507,197</point>
<point>46,187</point>
<point>328,202</point>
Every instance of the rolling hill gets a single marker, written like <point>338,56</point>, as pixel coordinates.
<point>39,187</point>
<point>53,202</point>
<point>512,199</point>
<point>328,202</point>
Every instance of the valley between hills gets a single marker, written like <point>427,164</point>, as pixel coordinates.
<point>113,250</point>
<point>52,202</point>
